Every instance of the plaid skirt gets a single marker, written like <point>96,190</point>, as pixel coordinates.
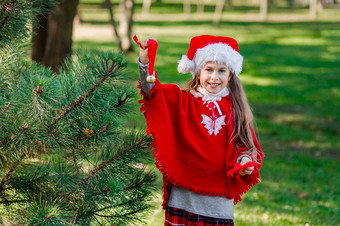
<point>178,217</point>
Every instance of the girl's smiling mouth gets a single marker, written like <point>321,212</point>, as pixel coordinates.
<point>214,85</point>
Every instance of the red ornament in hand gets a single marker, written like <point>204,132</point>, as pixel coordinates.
<point>152,51</point>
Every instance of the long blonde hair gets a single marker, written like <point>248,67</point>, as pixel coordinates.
<point>243,116</point>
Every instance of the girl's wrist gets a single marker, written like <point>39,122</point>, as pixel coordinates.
<point>141,62</point>
<point>144,61</point>
<point>239,159</point>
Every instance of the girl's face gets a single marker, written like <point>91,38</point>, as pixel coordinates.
<point>214,77</point>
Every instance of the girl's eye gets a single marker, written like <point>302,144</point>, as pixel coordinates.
<point>208,69</point>
<point>222,71</point>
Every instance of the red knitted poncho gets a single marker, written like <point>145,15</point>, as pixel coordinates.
<point>186,153</point>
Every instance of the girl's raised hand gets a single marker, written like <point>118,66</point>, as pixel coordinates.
<point>143,52</point>
<point>248,170</point>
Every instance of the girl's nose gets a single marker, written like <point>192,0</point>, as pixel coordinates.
<point>213,75</point>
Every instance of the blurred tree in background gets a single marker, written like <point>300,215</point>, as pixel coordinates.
<point>123,32</point>
<point>65,157</point>
<point>52,41</point>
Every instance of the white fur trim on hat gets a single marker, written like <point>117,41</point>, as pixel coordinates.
<point>185,65</point>
<point>219,52</point>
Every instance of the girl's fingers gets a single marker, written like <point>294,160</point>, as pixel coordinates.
<point>144,44</point>
<point>241,172</point>
<point>250,168</point>
<point>246,171</point>
<point>143,47</point>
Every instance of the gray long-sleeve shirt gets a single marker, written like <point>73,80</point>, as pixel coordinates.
<point>143,73</point>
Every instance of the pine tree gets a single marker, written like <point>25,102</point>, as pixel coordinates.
<point>66,157</point>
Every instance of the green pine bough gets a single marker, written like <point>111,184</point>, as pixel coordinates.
<point>66,156</point>
<point>17,16</point>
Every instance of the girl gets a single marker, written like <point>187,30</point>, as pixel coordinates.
<point>204,144</point>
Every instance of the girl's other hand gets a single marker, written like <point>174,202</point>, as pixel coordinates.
<point>143,52</point>
<point>248,170</point>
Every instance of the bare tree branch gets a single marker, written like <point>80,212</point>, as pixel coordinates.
<point>109,6</point>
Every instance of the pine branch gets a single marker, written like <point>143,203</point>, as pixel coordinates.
<point>27,182</point>
<point>8,9</point>
<point>121,102</point>
<point>103,129</point>
<point>74,217</point>
<point>106,190</point>
<point>54,132</point>
<point>99,222</point>
<point>94,171</point>
<point>75,161</point>
<point>119,215</point>
<point>6,108</point>
<point>124,203</point>
<point>13,201</point>
<point>139,184</point>
<point>76,103</point>
<point>38,91</point>
<point>9,172</point>
<point>23,129</point>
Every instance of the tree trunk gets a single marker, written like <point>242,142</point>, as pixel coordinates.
<point>290,3</point>
<point>146,7</point>
<point>109,6</point>
<point>53,42</point>
<point>319,6</point>
<point>39,39</point>
<point>263,9</point>
<point>229,4</point>
<point>218,11</point>
<point>200,6</point>
<point>125,26</point>
<point>313,8</point>
<point>186,6</point>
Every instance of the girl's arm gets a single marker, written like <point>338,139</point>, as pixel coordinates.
<point>143,63</point>
<point>243,159</point>
<point>143,74</point>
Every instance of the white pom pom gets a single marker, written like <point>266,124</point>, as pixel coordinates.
<point>185,65</point>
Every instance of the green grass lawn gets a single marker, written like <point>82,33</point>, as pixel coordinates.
<point>291,75</point>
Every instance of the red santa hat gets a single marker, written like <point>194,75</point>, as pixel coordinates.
<point>208,48</point>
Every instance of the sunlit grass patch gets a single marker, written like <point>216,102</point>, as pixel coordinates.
<point>259,81</point>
